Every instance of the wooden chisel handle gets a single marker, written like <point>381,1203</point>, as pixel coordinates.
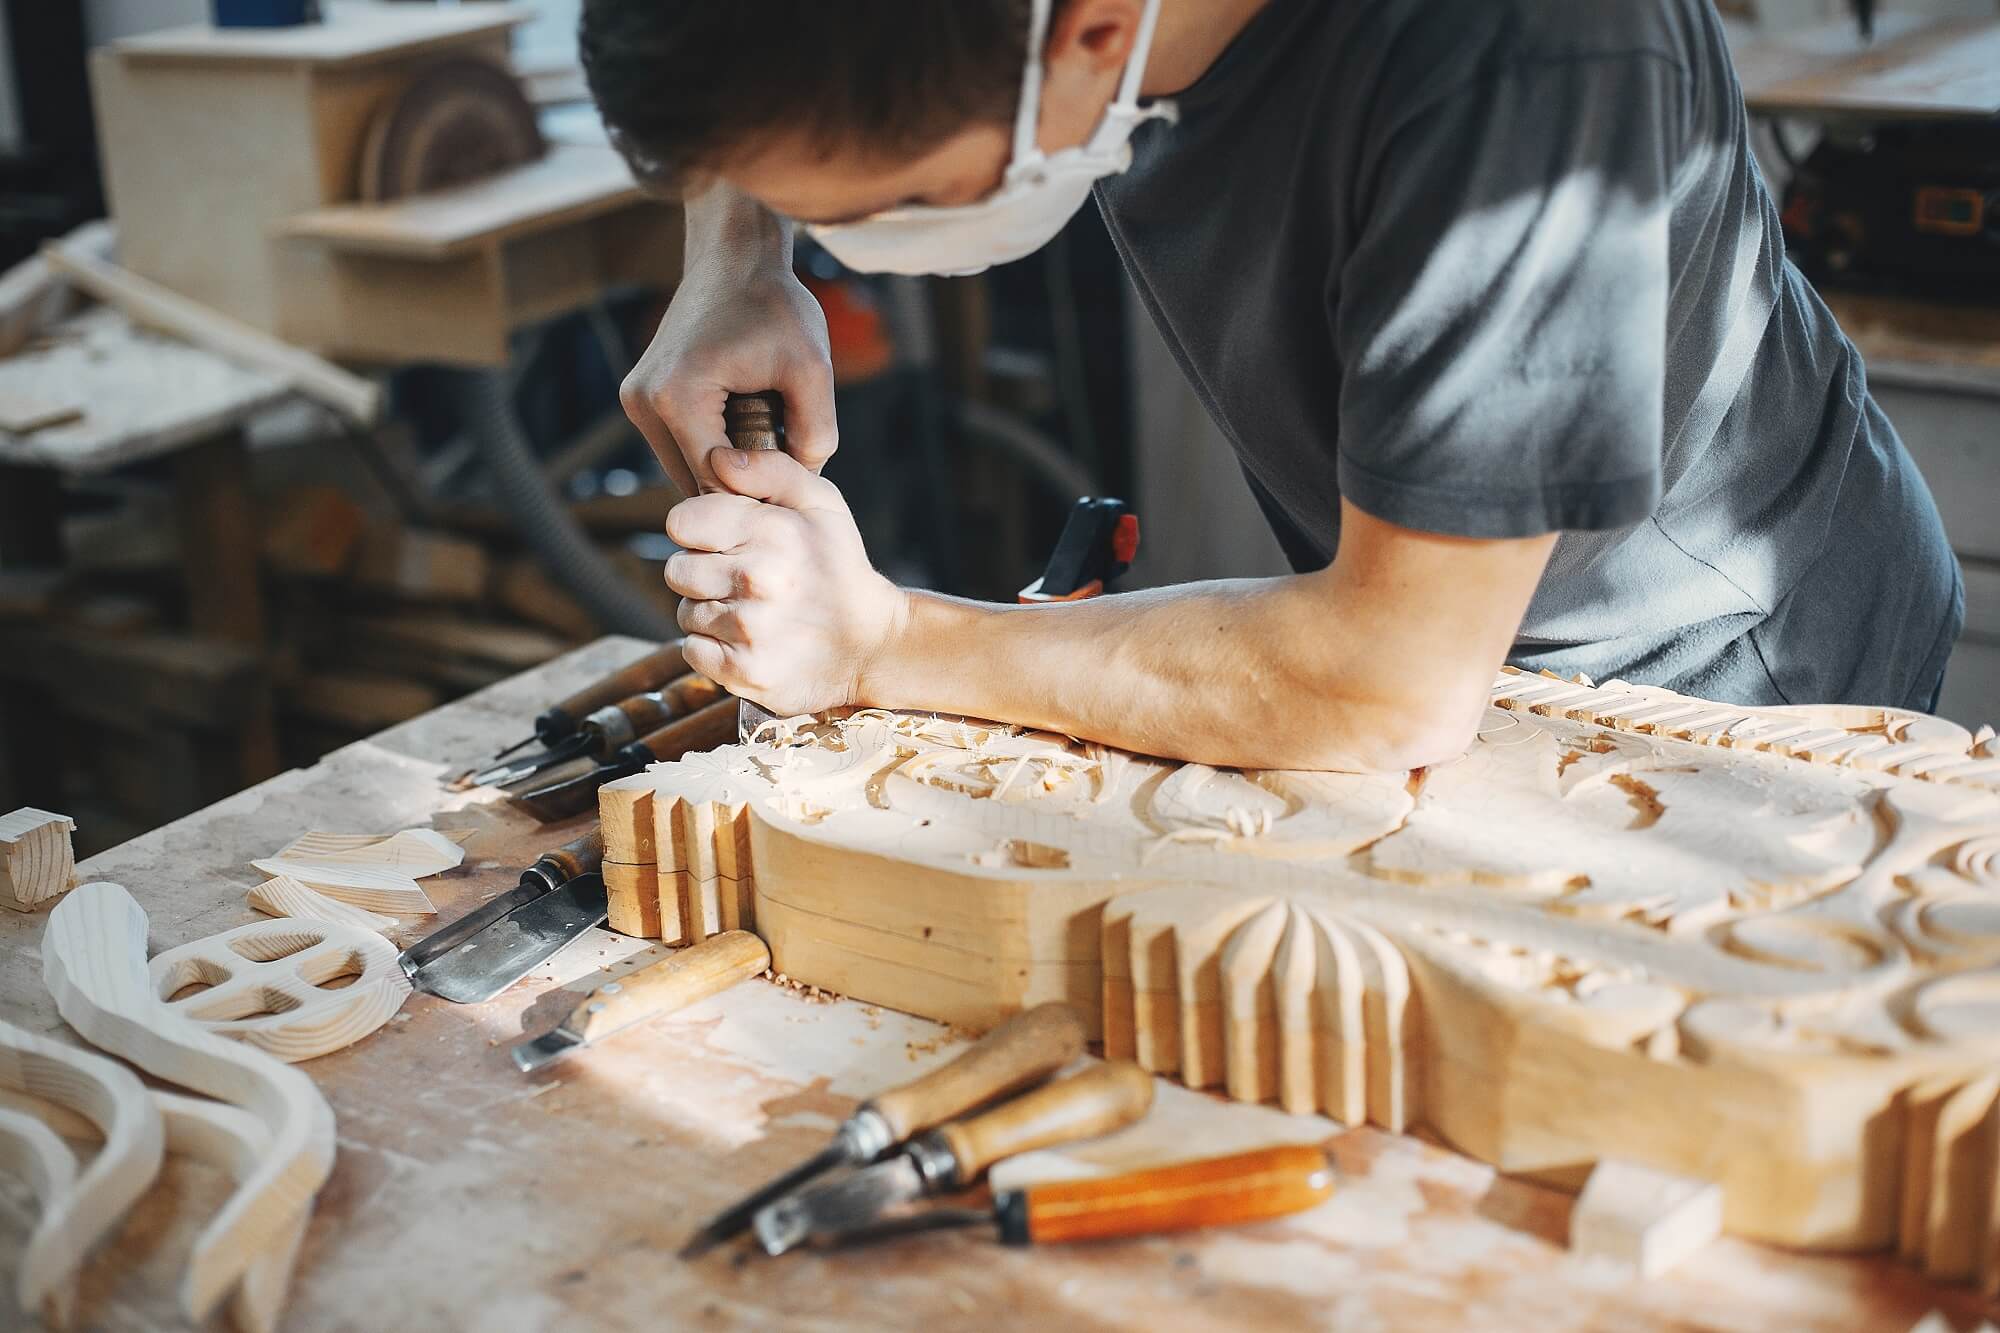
<point>674,982</point>
<point>753,420</point>
<point>1082,1106</point>
<point>1025,1049</point>
<point>650,672</point>
<point>579,856</point>
<point>704,729</point>
<point>1216,1191</point>
<point>691,693</point>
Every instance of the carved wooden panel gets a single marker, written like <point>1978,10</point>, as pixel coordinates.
<point>1754,947</point>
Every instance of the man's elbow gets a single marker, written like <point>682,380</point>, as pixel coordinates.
<point>1379,739</point>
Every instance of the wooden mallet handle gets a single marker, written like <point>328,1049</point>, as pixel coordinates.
<point>1216,1191</point>
<point>1025,1049</point>
<point>673,983</point>
<point>1082,1106</point>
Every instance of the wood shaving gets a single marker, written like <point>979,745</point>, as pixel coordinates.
<point>799,989</point>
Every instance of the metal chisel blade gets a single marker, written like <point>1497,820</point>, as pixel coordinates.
<point>846,1205</point>
<point>738,1215</point>
<point>546,1049</point>
<point>448,937</point>
<point>750,717</point>
<point>513,946</point>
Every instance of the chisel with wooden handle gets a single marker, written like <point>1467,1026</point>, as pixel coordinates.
<point>1021,1052</point>
<point>753,421</point>
<point>1243,1187</point>
<point>673,983</point>
<point>650,672</point>
<point>609,729</point>
<point>551,870</point>
<point>953,1156</point>
<point>571,788</point>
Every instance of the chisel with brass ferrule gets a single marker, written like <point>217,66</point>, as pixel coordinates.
<point>609,729</point>
<point>953,1156</point>
<point>650,672</point>
<point>1021,1052</point>
<point>1254,1186</point>
<point>571,788</point>
<point>675,982</point>
<point>551,870</point>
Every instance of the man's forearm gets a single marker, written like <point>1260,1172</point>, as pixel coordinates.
<point>1247,672</point>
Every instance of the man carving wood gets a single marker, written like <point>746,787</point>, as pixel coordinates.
<point>1489,298</point>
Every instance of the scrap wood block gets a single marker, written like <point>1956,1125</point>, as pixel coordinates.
<point>37,858</point>
<point>1644,1219</point>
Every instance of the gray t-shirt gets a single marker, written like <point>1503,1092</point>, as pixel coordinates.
<point>1505,267</point>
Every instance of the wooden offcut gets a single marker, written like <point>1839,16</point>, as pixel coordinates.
<point>37,858</point>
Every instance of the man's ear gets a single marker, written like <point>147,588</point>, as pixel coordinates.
<point>1092,35</point>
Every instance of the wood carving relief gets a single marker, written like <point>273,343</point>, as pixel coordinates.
<point>1757,947</point>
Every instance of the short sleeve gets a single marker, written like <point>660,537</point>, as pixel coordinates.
<point>1501,319</point>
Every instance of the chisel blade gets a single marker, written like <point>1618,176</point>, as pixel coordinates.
<point>546,1049</point>
<point>448,937</point>
<point>863,1199</point>
<point>733,1219</point>
<point>513,946</point>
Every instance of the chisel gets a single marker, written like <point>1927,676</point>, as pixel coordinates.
<point>753,421</point>
<point>1215,1191</point>
<point>610,729</point>
<point>551,870</point>
<point>953,1156</point>
<point>1022,1051</point>
<point>650,672</point>
<point>675,982</point>
<point>571,788</point>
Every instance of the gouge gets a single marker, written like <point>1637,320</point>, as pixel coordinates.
<point>551,870</point>
<point>1212,1192</point>
<point>1022,1051</point>
<point>953,1156</point>
<point>753,421</point>
<point>650,672</point>
<point>673,983</point>
<point>571,788</point>
<point>610,729</point>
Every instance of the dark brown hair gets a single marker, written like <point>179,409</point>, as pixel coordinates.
<point>683,84</point>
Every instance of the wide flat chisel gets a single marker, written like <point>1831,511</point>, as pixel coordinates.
<point>675,982</point>
<point>753,421</point>
<point>551,870</point>
<point>650,672</point>
<point>609,729</point>
<point>513,946</point>
<point>1243,1187</point>
<point>953,1156</point>
<point>1022,1051</point>
<point>571,788</point>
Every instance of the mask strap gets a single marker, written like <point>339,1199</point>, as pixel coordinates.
<point>1135,64</point>
<point>1028,114</point>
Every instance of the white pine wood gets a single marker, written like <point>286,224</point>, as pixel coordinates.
<point>282,895</point>
<point>78,1209</point>
<point>264,985</point>
<point>94,964</point>
<point>375,872</point>
<point>1646,1221</point>
<point>37,860</point>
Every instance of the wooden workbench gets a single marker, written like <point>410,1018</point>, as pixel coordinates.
<point>467,1196</point>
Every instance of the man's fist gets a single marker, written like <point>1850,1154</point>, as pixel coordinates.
<point>780,604</point>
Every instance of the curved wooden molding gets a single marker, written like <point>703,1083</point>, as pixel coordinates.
<point>78,1210</point>
<point>1715,943</point>
<point>94,964</point>
<point>377,873</point>
<point>265,985</point>
<point>284,896</point>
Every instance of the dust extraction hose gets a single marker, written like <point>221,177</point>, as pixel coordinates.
<point>542,519</point>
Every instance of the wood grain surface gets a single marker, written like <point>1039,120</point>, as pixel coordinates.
<point>467,1197</point>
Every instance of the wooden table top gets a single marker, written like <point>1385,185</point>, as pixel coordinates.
<point>467,1196</point>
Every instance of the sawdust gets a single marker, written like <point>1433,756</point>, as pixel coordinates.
<point>799,989</point>
<point>917,1050</point>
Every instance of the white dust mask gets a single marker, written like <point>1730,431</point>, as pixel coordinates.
<point>1040,192</point>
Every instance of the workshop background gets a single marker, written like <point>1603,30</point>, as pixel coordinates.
<point>236,563</point>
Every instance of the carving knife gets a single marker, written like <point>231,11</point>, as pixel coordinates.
<point>753,421</point>
<point>674,982</point>
<point>551,871</point>
<point>610,729</point>
<point>1021,1052</point>
<point>1244,1187</point>
<point>650,672</point>
<point>953,1156</point>
<point>571,788</point>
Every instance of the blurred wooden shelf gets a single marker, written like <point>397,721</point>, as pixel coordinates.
<point>1923,344</point>
<point>1914,68</point>
<point>355,30</point>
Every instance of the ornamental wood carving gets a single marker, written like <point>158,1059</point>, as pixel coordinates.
<point>1756,947</point>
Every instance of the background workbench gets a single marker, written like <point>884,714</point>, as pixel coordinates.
<point>468,1196</point>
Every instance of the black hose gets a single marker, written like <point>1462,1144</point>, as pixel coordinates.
<point>541,519</point>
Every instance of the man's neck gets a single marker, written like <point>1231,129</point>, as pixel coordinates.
<point>1190,36</point>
